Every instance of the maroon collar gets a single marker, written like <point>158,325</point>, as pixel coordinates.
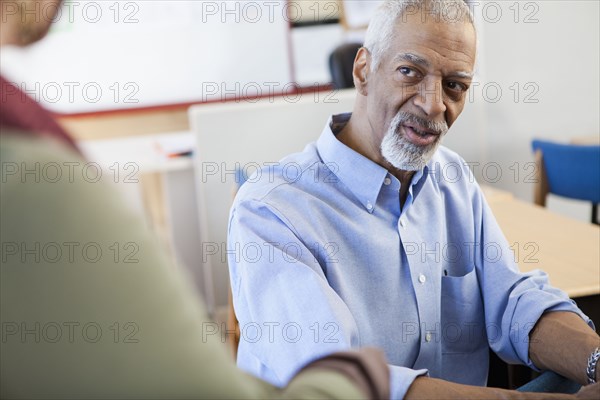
<point>19,111</point>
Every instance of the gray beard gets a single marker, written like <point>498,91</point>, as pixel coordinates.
<point>401,153</point>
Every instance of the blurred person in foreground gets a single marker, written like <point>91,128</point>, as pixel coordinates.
<point>90,305</point>
<point>371,244</point>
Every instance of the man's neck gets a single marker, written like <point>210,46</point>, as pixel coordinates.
<point>359,136</point>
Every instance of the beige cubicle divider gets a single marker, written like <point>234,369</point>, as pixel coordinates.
<point>122,124</point>
<point>248,135</point>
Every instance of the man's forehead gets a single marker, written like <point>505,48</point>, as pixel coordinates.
<point>412,39</point>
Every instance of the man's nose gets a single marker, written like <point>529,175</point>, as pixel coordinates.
<point>430,98</point>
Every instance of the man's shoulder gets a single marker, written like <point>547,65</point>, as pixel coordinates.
<point>289,178</point>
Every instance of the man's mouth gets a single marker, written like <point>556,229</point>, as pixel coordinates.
<point>418,135</point>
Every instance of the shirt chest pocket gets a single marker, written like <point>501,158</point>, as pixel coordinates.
<point>462,314</point>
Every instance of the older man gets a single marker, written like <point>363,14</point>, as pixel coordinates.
<point>356,240</point>
<point>118,321</point>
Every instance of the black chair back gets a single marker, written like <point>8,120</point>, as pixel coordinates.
<point>341,62</point>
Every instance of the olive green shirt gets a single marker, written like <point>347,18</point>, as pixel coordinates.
<point>91,305</point>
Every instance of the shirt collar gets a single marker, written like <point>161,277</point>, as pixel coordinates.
<point>362,176</point>
<point>418,180</point>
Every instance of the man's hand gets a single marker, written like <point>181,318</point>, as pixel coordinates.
<point>590,392</point>
<point>562,342</point>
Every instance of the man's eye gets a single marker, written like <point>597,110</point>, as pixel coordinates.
<point>457,86</point>
<point>409,72</point>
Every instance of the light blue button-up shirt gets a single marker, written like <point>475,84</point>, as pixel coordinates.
<point>323,258</point>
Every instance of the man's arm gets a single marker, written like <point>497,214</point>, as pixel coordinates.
<point>562,342</point>
<point>518,301</point>
<point>436,389</point>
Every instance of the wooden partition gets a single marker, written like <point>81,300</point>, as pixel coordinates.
<point>116,124</point>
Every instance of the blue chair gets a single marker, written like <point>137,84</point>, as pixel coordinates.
<point>568,170</point>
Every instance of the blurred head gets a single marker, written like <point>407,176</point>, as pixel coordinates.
<point>412,76</point>
<point>26,21</point>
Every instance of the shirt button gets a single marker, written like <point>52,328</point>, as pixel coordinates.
<point>428,337</point>
<point>369,206</point>
<point>401,222</point>
<point>422,278</point>
<point>387,181</point>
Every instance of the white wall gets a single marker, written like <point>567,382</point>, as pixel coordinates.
<point>107,55</point>
<point>559,56</point>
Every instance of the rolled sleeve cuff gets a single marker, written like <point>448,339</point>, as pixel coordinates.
<point>402,378</point>
<point>530,318</point>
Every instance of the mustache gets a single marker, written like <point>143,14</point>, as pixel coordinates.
<point>402,118</point>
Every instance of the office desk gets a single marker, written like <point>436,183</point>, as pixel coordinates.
<point>589,140</point>
<point>566,249</point>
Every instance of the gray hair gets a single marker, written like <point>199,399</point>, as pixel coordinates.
<point>381,28</point>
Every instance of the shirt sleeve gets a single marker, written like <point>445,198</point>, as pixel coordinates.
<point>288,313</point>
<point>513,301</point>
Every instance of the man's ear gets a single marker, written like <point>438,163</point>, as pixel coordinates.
<point>361,69</point>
